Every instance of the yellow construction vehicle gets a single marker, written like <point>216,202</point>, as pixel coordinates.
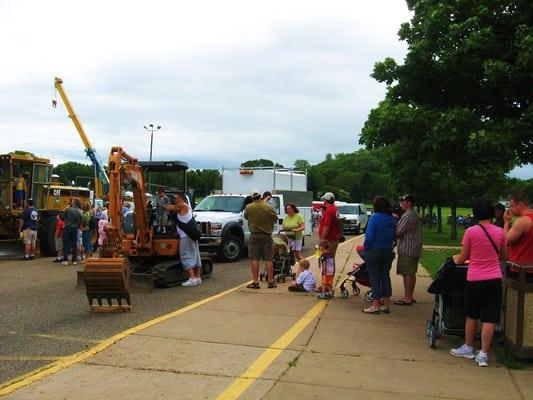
<point>50,198</point>
<point>101,180</point>
<point>148,258</point>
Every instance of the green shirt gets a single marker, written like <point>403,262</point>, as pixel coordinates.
<point>86,219</point>
<point>293,222</point>
<point>261,217</point>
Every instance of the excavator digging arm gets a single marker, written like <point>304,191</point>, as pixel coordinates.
<point>125,168</point>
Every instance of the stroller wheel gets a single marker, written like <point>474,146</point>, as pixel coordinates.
<point>428,327</point>
<point>432,338</point>
<point>368,296</point>
<point>283,279</point>
<point>261,277</point>
<point>344,293</point>
<point>356,291</point>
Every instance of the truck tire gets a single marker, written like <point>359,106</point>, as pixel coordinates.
<point>231,249</point>
<point>46,233</point>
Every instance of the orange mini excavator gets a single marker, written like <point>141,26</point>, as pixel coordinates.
<point>134,251</point>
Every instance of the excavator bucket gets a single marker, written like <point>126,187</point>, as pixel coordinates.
<point>107,282</point>
<point>11,249</point>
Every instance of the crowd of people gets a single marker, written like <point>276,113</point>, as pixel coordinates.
<point>496,238</point>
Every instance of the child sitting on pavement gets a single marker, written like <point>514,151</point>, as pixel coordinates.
<point>305,281</point>
<point>326,263</point>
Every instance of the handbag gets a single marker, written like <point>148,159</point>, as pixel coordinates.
<point>190,228</point>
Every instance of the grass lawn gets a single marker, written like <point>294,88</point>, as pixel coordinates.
<point>432,259</point>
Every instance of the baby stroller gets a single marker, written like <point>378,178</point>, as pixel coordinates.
<point>282,259</point>
<point>448,316</point>
<point>358,274</point>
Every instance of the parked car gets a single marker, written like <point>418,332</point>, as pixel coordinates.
<point>355,217</point>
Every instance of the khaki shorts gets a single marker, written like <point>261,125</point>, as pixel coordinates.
<point>29,236</point>
<point>407,265</point>
<point>260,247</point>
<point>59,244</point>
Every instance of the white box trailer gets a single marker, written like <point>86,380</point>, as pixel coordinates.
<point>244,180</point>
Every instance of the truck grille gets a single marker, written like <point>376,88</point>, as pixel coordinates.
<point>204,227</point>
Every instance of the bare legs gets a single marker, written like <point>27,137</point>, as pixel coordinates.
<point>487,332</point>
<point>254,264</point>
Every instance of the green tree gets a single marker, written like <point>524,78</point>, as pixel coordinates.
<point>69,171</point>
<point>302,165</point>
<point>459,108</point>
<point>262,162</point>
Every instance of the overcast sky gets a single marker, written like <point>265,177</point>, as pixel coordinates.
<point>228,81</point>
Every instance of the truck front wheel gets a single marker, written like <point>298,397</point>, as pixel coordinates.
<point>231,249</point>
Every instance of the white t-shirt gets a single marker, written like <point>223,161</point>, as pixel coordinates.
<point>183,218</point>
<point>307,279</point>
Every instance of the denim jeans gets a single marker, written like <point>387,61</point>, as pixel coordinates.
<point>70,242</point>
<point>378,263</point>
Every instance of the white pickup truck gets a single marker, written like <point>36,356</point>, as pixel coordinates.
<point>224,228</point>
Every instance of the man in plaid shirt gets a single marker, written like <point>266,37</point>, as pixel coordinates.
<point>409,234</point>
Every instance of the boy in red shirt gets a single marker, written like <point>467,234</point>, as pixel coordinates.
<point>60,224</point>
<point>329,228</point>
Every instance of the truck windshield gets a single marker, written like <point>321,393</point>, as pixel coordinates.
<point>348,209</point>
<point>232,204</point>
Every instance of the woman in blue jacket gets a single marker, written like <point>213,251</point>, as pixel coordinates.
<point>379,238</point>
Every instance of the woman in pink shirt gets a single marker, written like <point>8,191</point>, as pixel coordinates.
<point>484,245</point>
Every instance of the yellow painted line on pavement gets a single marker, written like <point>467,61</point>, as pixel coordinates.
<point>47,370</point>
<point>62,363</point>
<point>254,371</point>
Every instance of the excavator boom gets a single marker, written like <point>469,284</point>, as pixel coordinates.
<point>100,173</point>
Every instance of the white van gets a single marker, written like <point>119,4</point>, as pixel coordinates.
<point>355,217</point>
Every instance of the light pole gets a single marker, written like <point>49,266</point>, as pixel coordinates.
<point>151,128</point>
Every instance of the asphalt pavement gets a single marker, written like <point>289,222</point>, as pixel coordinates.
<point>44,317</point>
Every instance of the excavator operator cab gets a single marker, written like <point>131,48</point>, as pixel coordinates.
<point>171,176</point>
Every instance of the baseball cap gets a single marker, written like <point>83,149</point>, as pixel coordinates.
<point>255,194</point>
<point>407,197</point>
<point>328,196</point>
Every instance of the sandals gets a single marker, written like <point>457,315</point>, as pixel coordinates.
<point>402,302</point>
<point>272,285</point>
<point>253,285</point>
<point>370,310</point>
<point>384,310</point>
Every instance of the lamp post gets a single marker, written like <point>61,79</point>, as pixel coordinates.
<point>151,128</point>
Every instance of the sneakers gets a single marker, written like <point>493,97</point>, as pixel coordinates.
<point>464,351</point>
<point>198,281</point>
<point>324,296</point>
<point>64,263</point>
<point>481,359</point>
<point>74,263</point>
<point>190,282</point>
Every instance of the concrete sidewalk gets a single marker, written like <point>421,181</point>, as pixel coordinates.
<point>339,354</point>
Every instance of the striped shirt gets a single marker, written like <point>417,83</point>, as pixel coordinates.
<point>409,234</point>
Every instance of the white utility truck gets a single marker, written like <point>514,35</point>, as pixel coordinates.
<point>220,216</point>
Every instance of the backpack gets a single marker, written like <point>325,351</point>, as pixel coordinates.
<point>190,228</point>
